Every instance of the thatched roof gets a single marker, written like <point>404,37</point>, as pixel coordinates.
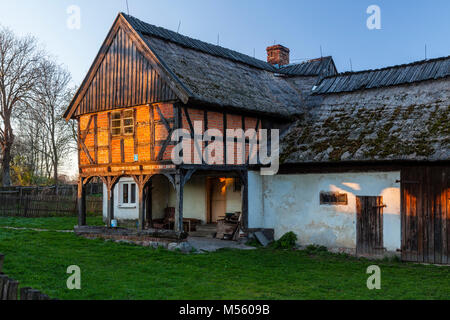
<point>409,122</point>
<point>224,77</point>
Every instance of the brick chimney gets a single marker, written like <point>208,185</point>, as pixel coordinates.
<point>278,55</point>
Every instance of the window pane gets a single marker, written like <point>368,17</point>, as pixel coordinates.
<point>128,114</point>
<point>127,122</point>
<point>128,130</point>
<point>116,115</point>
<point>116,131</point>
<point>133,193</point>
<point>125,193</point>
<point>116,123</point>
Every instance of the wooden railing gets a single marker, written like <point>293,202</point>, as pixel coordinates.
<point>9,288</point>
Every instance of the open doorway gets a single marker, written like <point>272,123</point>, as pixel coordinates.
<point>223,196</point>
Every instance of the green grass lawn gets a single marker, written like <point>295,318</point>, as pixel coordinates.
<point>120,271</point>
<point>51,223</point>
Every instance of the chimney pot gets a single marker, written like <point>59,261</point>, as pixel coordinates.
<point>278,55</point>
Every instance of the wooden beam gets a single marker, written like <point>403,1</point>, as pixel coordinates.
<point>152,132</point>
<point>109,138</point>
<point>191,128</point>
<point>86,151</point>
<point>141,208</point>
<point>225,125</point>
<point>179,202</point>
<point>122,151</point>
<point>148,204</point>
<point>135,137</point>
<point>81,202</point>
<point>96,138</point>
<point>244,197</point>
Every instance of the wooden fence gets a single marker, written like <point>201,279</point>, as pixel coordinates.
<point>9,288</point>
<point>60,190</point>
<point>41,205</point>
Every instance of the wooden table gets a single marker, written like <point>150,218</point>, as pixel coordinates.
<point>187,221</point>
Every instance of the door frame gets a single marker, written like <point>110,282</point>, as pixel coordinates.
<point>369,225</point>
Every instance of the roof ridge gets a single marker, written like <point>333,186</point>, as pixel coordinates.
<point>417,62</point>
<point>305,61</point>
<point>257,63</point>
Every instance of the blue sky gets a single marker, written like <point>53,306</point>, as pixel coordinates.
<point>248,26</point>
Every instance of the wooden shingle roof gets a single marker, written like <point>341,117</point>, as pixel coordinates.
<point>321,66</point>
<point>390,76</point>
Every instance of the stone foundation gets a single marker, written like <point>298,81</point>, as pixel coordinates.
<point>144,237</point>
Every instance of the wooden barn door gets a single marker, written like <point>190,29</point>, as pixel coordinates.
<point>425,210</point>
<point>369,225</point>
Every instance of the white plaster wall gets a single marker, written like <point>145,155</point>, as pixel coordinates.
<point>255,200</point>
<point>121,212</point>
<point>194,199</point>
<point>233,199</point>
<point>292,203</point>
<point>164,196</point>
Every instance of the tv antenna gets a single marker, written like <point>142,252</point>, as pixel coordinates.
<point>128,8</point>
<point>321,55</point>
<point>425,51</point>
<point>179,25</point>
<point>351,65</point>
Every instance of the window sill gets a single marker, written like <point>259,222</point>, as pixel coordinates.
<point>127,206</point>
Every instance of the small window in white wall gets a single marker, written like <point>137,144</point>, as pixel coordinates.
<point>127,194</point>
<point>333,198</point>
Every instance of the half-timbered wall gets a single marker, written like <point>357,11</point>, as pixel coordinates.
<point>101,152</point>
<point>220,121</point>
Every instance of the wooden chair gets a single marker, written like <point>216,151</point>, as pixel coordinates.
<point>165,223</point>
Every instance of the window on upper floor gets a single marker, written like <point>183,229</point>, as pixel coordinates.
<point>122,122</point>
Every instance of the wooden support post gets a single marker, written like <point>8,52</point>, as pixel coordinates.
<point>148,205</point>
<point>141,207</point>
<point>3,283</point>
<point>110,205</point>
<point>33,294</point>
<point>24,293</point>
<point>179,201</point>
<point>81,203</point>
<point>244,195</point>
<point>13,286</point>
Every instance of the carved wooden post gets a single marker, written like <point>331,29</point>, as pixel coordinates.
<point>81,203</point>
<point>3,282</point>
<point>148,205</point>
<point>179,201</point>
<point>141,207</point>
<point>110,205</point>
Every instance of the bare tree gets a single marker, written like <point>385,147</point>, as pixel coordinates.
<point>18,77</point>
<point>52,95</point>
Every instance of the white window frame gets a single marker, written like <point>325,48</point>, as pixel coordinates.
<point>121,187</point>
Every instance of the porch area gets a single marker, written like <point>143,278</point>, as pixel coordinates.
<point>170,204</point>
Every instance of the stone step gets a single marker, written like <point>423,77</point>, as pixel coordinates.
<point>202,234</point>
<point>207,227</point>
